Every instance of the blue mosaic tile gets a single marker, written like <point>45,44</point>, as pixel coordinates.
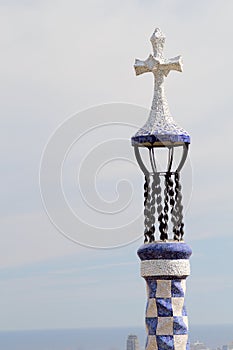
<point>151,323</point>
<point>184,311</point>
<point>165,342</point>
<point>168,251</point>
<point>164,307</point>
<point>179,327</point>
<point>152,138</point>
<point>152,285</point>
<point>177,290</point>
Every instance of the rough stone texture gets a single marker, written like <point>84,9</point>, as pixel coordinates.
<point>179,268</point>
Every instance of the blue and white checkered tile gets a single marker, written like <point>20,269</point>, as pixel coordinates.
<point>166,316</point>
<point>167,342</point>
<point>166,288</point>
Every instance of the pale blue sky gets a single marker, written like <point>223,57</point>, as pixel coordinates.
<point>60,57</point>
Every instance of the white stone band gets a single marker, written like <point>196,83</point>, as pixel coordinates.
<point>179,267</point>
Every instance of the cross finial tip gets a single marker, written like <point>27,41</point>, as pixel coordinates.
<point>158,40</point>
<point>158,34</point>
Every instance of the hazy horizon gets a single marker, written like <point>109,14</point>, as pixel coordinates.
<point>103,338</point>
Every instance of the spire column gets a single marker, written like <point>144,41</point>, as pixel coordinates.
<point>164,255</point>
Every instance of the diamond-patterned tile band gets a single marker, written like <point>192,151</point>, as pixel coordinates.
<point>167,325</point>
<point>166,315</point>
<point>167,342</point>
<point>165,266</point>
<point>165,307</point>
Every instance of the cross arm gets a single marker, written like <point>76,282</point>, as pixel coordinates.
<point>175,63</point>
<point>145,66</point>
<point>151,64</point>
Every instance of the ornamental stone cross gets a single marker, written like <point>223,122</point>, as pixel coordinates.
<point>160,67</point>
<point>160,121</point>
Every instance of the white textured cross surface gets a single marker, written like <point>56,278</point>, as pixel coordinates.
<point>160,121</point>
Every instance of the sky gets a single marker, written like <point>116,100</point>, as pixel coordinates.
<point>67,69</point>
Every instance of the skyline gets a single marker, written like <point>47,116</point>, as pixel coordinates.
<point>102,338</point>
<point>60,58</point>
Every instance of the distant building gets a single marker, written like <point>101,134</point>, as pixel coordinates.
<point>198,346</point>
<point>132,342</point>
<point>225,347</point>
<point>228,347</point>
